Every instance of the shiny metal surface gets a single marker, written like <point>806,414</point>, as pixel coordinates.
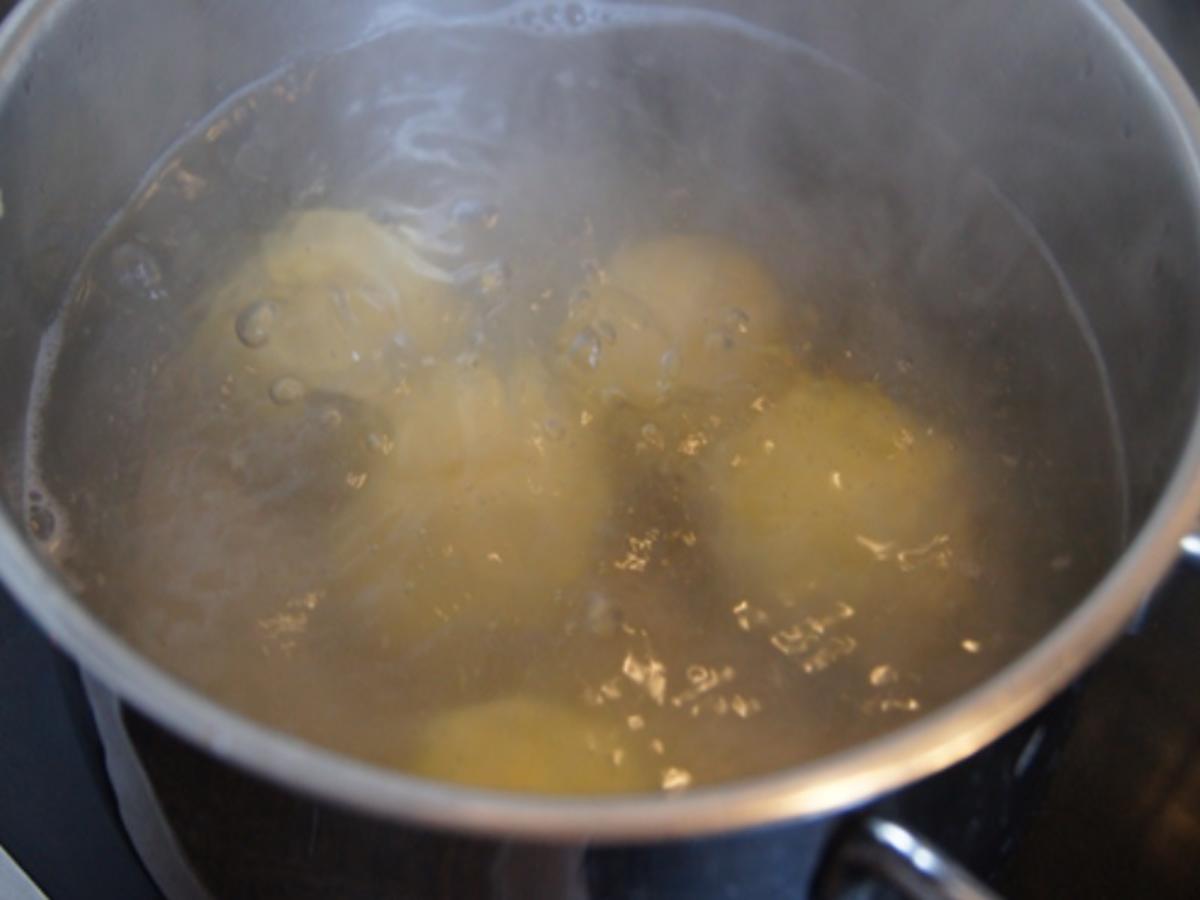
<point>75,148</point>
<point>14,883</point>
<point>883,853</point>
<point>1191,546</point>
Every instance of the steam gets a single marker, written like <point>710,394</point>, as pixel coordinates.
<point>516,149</point>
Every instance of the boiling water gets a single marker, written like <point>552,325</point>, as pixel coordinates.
<point>223,521</point>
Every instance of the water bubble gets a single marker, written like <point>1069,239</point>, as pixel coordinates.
<point>41,523</point>
<point>331,417</point>
<point>653,436</point>
<point>191,186</point>
<point>602,617</point>
<point>676,779</point>
<point>579,296</point>
<point>693,443</point>
<point>593,271</point>
<point>381,443</point>
<point>495,277</point>
<point>906,704</point>
<point>575,15</point>
<point>883,675</point>
<point>737,320</point>
<point>668,371</point>
<point>607,331</point>
<point>287,390</point>
<point>613,397</point>
<point>585,349</point>
<point>476,214</point>
<point>137,270</point>
<point>253,324</point>
<point>668,365</point>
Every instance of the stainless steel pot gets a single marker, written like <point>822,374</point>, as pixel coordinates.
<point>1069,108</point>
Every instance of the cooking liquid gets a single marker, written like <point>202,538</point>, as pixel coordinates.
<point>203,508</point>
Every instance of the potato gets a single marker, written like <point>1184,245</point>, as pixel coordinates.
<point>835,495</point>
<point>488,505</point>
<point>671,315</point>
<point>201,560</point>
<point>332,300</point>
<point>522,744</point>
<point>216,526</point>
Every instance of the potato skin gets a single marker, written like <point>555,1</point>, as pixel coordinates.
<point>486,508</point>
<point>676,314</point>
<point>834,494</point>
<point>522,744</point>
<point>334,300</point>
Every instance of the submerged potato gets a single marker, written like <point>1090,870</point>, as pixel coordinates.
<point>836,495</point>
<point>521,744</point>
<point>220,504</point>
<point>488,503</point>
<point>674,315</point>
<point>198,569</point>
<point>331,300</point>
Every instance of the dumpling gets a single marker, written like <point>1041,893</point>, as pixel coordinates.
<point>835,495</point>
<point>521,744</point>
<point>488,505</point>
<point>332,300</point>
<point>674,315</point>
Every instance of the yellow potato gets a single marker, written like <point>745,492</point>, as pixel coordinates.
<point>674,315</point>
<point>200,557</point>
<point>488,505</point>
<point>521,744</point>
<point>835,495</point>
<point>332,300</point>
<point>217,522</point>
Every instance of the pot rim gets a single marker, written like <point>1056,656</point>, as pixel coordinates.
<point>818,788</point>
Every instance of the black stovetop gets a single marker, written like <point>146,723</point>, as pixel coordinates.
<point>1121,820</point>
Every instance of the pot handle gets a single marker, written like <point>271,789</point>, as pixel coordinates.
<point>1190,545</point>
<point>1189,554</point>
<point>882,853</point>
